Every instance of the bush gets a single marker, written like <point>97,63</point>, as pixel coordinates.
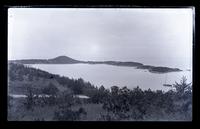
<point>136,104</point>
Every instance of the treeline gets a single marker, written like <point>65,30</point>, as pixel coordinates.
<point>119,104</point>
<point>139,105</point>
<point>19,72</point>
<point>125,104</point>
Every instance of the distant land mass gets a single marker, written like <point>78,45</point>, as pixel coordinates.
<point>57,60</point>
<point>68,60</point>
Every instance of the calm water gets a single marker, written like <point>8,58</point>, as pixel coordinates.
<point>108,75</point>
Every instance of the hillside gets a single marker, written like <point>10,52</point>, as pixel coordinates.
<point>22,77</point>
<point>62,60</point>
<point>114,104</point>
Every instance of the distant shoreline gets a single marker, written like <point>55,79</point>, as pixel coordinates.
<point>68,60</point>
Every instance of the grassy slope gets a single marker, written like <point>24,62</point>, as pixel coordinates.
<point>18,110</point>
<point>19,87</point>
<point>40,79</point>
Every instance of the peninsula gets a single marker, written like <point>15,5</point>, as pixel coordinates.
<point>68,60</point>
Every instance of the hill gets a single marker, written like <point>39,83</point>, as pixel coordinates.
<point>68,60</point>
<point>57,60</point>
<point>63,60</point>
<point>22,77</point>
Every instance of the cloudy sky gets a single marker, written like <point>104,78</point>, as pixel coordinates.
<point>100,34</point>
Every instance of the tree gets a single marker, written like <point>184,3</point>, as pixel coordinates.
<point>114,90</point>
<point>101,88</point>
<point>51,89</point>
<point>30,77</point>
<point>117,104</point>
<point>77,86</point>
<point>64,111</point>
<point>183,86</point>
<point>29,103</point>
<point>102,94</point>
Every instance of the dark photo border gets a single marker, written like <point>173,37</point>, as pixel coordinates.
<point>95,4</point>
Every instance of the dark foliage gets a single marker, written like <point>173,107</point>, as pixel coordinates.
<point>119,103</point>
<point>30,101</point>
<point>64,111</point>
<point>17,72</point>
<point>136,104</point>
<point>51,89</point>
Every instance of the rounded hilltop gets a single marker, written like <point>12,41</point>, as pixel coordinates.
<point>62,59</point>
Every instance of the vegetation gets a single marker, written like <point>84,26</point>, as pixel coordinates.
<point>21,73</point>
<point>68,60</point>
<point>125,104</point>
<point>158,69</point>
<point>51,89</point>
<point>50,97</point>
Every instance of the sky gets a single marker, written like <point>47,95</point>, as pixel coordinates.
<point>127,34</point>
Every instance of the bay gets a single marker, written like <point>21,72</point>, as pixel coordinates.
<point>108,75</point>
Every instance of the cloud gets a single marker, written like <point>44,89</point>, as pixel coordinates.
<point>100,34</point>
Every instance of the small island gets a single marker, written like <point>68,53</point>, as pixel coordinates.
<point>68,60</point>
<point>158,69</point>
